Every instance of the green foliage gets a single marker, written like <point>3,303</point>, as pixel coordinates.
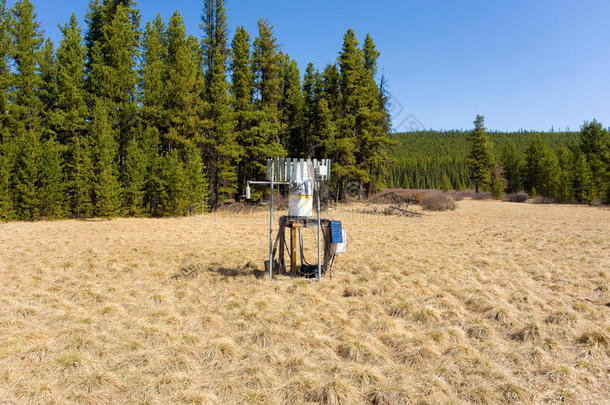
<point>80,178</point>
<point>512,163</point>
<point>50,187</point>
<point>107,190</point>
<point>480,156</point>
<point>241,97</point>
<point>25,103</point>
<point>197,190</point>
<point>69,119</point>
<point>220,150</point>
<point>535,154</point>
<point>173,181</point>
<point>594,143</point>
<point>113,76</point>
<point>583,179</point>
<point>497,188</point>
<point>25,175</point>
<point>95,128</point>
<point>291,110</point>
<point>445,182</point>
<point>134,179</point>
<point>153,81</point>
<point>421,158</point>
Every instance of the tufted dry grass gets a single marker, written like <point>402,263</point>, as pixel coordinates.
<point>491,303</point>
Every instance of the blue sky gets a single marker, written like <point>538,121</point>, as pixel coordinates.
<point>522,64</point>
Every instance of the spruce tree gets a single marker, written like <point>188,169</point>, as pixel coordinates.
<point>263,138</point>
<point>50,185</point>
<point>154,76</point>
<point>330,90</point>
<point>594,143</point>
<point>445,182</point>
<point>220,150</point>
<point>197,193</point>
<point>173,181</point>
<point>512,163</point>
<point>183,88</point>
<point>6,165</point>
<point>134,179</point>
<point>266,69</point>
<point>25,112</point>
<point>584,191</point>
<point>497,189</point>
<point>326,130</point>
<point>151,152</point>
<point>113,76</point>
<point>70,117</point>
<point>310,108</point>
<point>344,161</point>
<point>107,190</point>
<point>242,91</point>
<point>565,192</point>
<point>480,158</point>
<point>533,166</point>
<point>5,73</point>
<point>371,54</point>
<point>292,111</point>
<point>25,175</point>
<point>6,141</point>
<point>80,178</point>
<point>549,175</point>
<point>48,91</point>
<point>27,43</point>
<point>373,139</point>
<point>384,106</point>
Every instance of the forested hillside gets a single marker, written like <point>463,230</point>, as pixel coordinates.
<point>557,166</point>
<point>126,118</point>
<point>422,159</point>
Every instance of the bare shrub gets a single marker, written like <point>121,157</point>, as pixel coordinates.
<point>541,200</point>
<point>462,194</point>
<point>438,201</point>
<point>482,195</point>
<point>516,197</point>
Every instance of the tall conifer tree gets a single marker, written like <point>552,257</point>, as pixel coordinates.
<point>351,64</point>
<point>241,93</point>
<point>292,111</point>
<point>512,163</point>
<point>6,142</point>
<point>107,191</point>
<point>154,76</point>
<point>594,142</point>
<point>480,159</point>
<point>220,150</point>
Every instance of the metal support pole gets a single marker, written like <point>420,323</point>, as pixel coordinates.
<point>319,245</point>
<point>293,247</point>
<point>271,178</point>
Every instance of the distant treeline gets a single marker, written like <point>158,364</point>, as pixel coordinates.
<point>425,159</point>
<point>125,120</point>
<point>562,166</point>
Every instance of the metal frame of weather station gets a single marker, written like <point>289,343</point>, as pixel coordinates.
<point>304,176</point>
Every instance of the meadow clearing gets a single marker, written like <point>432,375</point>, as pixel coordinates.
<point>494,302</point>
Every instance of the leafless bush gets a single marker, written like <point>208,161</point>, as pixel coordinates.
<point>542,200</point>
<point>516,197</point>
<point>438,201</point>
<point>460,195</point>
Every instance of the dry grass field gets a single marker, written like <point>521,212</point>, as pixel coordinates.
<point>491,303</point>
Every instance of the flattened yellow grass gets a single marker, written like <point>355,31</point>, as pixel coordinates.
<point>494,302</point>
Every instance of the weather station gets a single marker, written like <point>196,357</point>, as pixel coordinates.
<point>304,178</point>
